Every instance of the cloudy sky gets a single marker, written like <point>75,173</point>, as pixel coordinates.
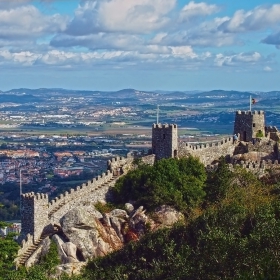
<point>142,44</point>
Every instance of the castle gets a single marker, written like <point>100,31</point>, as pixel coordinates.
<point>41,217</point>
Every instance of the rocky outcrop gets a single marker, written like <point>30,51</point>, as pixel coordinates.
<point>93,237</point>
<point>69,268</point>
<point>87,234</point>
<point>166,216</point>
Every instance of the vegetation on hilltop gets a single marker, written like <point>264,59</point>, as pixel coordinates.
<point>174,182</point>
<point>235,233</point>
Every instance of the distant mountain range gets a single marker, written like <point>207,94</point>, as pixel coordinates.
<point>201,109</point>
<point>214,98</point>
<point>129,92</point>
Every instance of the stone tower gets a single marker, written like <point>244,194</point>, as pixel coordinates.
<point>249,125</point>
<point>34,214</point>
<point>165,140</point>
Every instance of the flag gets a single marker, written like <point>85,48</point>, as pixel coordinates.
<point>253,101</point>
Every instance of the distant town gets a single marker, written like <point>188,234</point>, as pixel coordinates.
<point>52,140</point>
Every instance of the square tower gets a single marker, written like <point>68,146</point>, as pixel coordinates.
<point>165,140</point>
<point>34,214</point>
<point>249,125</point>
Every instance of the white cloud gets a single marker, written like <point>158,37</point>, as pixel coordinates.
<point>28,22</point>
<point>137,16</point>
<point>166,56</point>
<point>257,19</point>
<point>267,69</point>
<point>142,33</point>
<point>205,34</point>
<point>100,40</point>
<point>193,10</point>
<point>25,58</point>
<point>238,59</point>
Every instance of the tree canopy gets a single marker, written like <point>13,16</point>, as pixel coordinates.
<point>176,182</point>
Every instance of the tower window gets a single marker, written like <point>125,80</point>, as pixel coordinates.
<point>163,136</point>
<point>254,125</point>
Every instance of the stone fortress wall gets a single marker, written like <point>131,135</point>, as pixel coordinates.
<point>40,217</point>
<point>208,152</point>
<point>259,168</point>
<point>272,133</point>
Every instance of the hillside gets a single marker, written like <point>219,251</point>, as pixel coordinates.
<point>231,230</point>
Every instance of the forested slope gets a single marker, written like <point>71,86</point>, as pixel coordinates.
<point>231,230</point>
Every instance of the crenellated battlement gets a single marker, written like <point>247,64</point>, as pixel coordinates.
<point>257,167</point>
<point>160,126</point>
<point>80,191</point>
<point>208,152</point>
<point>39,215</point>
<point>119,162</point>
<point>34,196</point>
<point>249,112</point>
<point>271,129</point>
<point>202,146</point>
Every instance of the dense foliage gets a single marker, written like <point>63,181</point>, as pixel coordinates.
<point>42,271</point>
<point>236,237</point>
<point>235,234</point>
<point>8,251</point>
<point>175,182</point>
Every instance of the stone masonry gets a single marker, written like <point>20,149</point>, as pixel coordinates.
<point>164,140</point>
<point>34,214</point>
<point>249,124</point>
<point>209,152</point>
<point>40,217</point>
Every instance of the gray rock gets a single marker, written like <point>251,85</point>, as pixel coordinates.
<point>129,208</point>
<point>166,216</point>
<point>138,221</point>
<point>106,219</point>
<point>118,213</point>
<point>59,243</point>
<point>117,226</point>
<point>69,268</point>
<point>91,237</point>
<point>70,250</point>
<point>139,211</point>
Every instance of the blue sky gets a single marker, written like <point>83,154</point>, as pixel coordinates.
<point>142,44</point>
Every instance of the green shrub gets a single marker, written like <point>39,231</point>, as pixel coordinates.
<point>104,207</point>
<point>259,134</point>
<point>174,182</point>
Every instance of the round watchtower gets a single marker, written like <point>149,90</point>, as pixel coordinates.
<point>249,125</point>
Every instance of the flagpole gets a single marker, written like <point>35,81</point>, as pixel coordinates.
<point>157,113</point>
<point>250,102</point>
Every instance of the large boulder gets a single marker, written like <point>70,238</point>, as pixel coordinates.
<point>92,237</point>
<point>70,250</point>
<point>166,216</point>
<point>69,269</point>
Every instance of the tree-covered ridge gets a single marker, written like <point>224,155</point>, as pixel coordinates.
<point>176,182</point>
<point>236,236</point>
<point>232,227</point>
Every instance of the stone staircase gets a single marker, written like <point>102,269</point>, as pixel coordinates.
<point>24,257</point>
